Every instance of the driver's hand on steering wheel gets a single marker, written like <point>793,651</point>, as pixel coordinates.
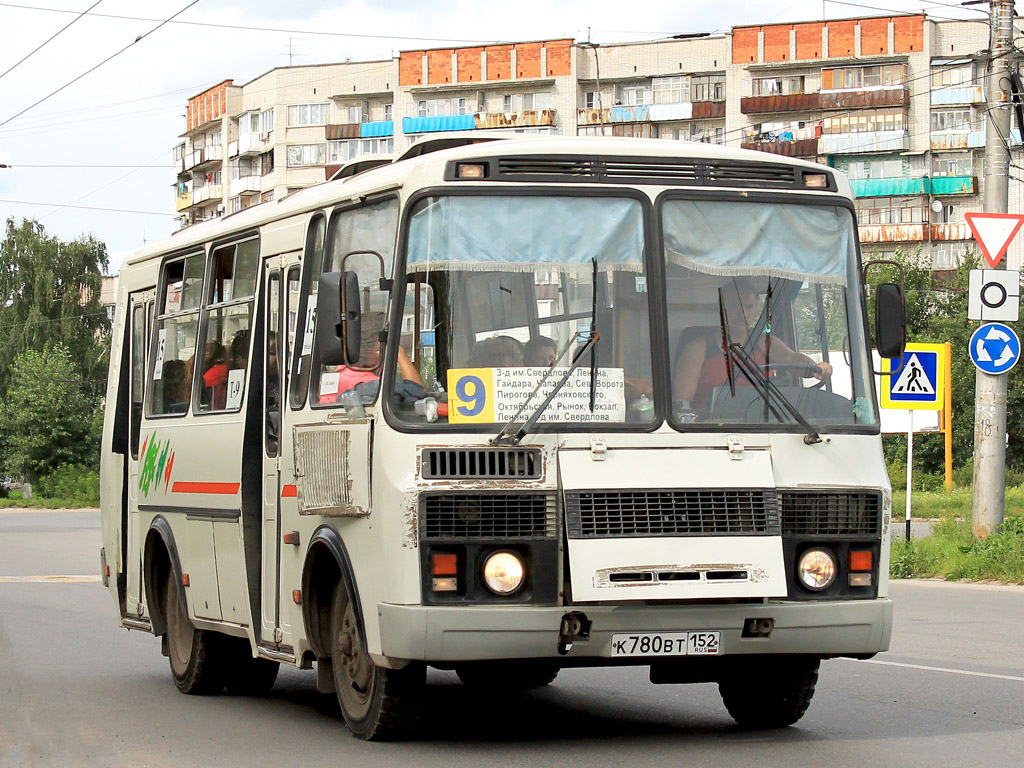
<point>822,370</point>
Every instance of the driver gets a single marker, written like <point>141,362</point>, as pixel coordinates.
<point>701,364</point>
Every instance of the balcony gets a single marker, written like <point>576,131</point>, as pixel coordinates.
<point>245,185</point>
<point>377,129</point>
<point>208,193</point>
<point>787,148</point>
<point>202,156</point>
<point>954,185</point>
<point>943,140</point>
<point>523,119</point>
<point>890,187</point>
<point>967,94</point>
<point>792,102</point>
<point>438,123</point>
<point>866,141</point>
<point>253,144</point>
<point>183,201</point>
<point>885,97</point>
<point>647,113</point>
<point>339,131</point>
<point>957,231</point>
<point>892,233</point>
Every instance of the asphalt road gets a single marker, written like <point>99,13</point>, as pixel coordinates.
<point>77,691</point>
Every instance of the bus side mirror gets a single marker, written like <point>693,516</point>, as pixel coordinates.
<point>338,326</point>
<point>890,322</point>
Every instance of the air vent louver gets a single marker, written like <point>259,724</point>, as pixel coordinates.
<point>831,513</point>
<point>481,464</point>
<point>488,516</point>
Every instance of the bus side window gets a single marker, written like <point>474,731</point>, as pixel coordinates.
<point>227,338</point>
<point>138,373</point>
<point>272,376</point>
<point>177,326</point>
<point>303,304</point>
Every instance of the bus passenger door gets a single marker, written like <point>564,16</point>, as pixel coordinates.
<point>273,397</point>
<point>139,310</point>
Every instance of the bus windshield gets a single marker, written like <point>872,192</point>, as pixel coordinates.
<point>500,286</point>
<point>777,286</point>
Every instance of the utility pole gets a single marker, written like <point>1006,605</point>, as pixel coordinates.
<point>990,390</point>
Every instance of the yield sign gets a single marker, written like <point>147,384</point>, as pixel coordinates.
<point>994,232</point>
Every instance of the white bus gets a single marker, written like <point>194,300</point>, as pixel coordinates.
<point>506,406</point>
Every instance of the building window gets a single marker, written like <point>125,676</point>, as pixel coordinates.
<point>308,114</point>
<point>671,90</point>
<point>340,152</point>
<point>633,95</point>
<point>860,78</point>
<point>865,121</point>
<point>506,103</point>
<point>591,100</point>
<point>458,106</point>
<point>389,111</point>
<point>777,86</point>
<point>891,210</point>
<point>875,169</point>
<point>354,114</point>
<point>432,107</point>
<point>708,88</point>
<point>707,133</point>
<point>953,165</point>
<point>951,76</point>
<point>951,120</point>
<point>306,154</point>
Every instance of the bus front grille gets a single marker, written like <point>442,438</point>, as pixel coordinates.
<point>831,512</point>
<point>488,516</point>
<point>480,463</point>
<point>672,512</point>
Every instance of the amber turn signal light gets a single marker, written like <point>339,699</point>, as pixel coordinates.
<point>444,564</point>
<point>860,560</point>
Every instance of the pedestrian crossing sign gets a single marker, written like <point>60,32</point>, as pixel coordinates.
<point>920,382</point>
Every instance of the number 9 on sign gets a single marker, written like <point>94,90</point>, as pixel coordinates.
<point>470,396</point>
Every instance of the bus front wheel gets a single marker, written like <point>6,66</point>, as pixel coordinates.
<point>377,703</point>
<point>196,656</point>
<point>773,693</point>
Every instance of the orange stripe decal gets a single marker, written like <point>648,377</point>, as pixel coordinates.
<point>222,488</point>
<point>289,492</point>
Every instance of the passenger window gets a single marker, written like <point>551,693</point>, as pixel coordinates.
<point>177,329</point>
<point>225,348</point>
<point>138,351</point>
<point>305,311</point>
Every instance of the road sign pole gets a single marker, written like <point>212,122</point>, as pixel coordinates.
<point>910,466</point>
<point>990,404</point>
<point>947,416</point>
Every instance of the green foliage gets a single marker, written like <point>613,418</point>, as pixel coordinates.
<point>909,559</point>
<point>952,552</point>
<point>937,312</point>
<point>46,417</point>
<point>72,485</point>
<point>49,295</point>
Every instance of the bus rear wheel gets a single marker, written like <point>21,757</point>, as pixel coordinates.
<point>508,675</point>
<point>196,656</point>
<point>774,693</point>
<point>378,704</point>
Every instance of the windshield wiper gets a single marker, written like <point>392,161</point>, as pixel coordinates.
<point>589,340</point>
<point>736,354</point>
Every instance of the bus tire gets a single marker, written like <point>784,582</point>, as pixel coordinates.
<point>774,694</point>
<point>508,675</point>
<point>378,704</point>
<point>196,656</point>
<point>247,675</point>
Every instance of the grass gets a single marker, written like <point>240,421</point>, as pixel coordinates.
<point>16,501</point>
<point>952,553</point>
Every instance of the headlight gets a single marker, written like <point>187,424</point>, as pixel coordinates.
<point>504,573</point>
<point>816,569</point>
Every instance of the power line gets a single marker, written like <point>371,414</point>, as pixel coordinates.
<point>261,29</point>
<point>86,207</point>
<point>93,69</point>
<point>30,165</point>
<point>45,42</point>
<point>108,184</point>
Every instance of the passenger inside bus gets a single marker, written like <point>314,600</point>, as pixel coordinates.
<point>367,383</point>
<point>701,365</point>
<point>497,352</point>
<point>541,352</point>
<point>175,386</point>
<point>215,377</point>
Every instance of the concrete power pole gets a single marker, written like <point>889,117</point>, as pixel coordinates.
<point>990,402</point>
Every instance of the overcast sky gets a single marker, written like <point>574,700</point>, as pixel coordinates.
<point>124,118</point>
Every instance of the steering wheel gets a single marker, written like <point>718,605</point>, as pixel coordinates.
<point>803,370</point>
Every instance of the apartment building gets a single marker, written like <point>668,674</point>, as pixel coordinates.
<point>895,102</point>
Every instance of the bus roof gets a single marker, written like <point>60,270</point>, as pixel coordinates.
<point>429,162</point>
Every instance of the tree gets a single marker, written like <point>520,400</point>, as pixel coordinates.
<point>47,416</point>
<point>50,294</point>
<point>936,306</point>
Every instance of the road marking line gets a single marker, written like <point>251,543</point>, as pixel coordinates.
<point>65,579</point>
<point>940,669</point>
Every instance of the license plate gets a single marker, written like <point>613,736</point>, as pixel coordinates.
<point>666,644</point>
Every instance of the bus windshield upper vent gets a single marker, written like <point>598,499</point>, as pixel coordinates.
<point>481,463</point>
<point>645,170</point>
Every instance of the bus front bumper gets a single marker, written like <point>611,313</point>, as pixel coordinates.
<point>467,633</point>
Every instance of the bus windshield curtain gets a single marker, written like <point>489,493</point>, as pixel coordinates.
<point>519,234</point>
<point>807,243</point>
